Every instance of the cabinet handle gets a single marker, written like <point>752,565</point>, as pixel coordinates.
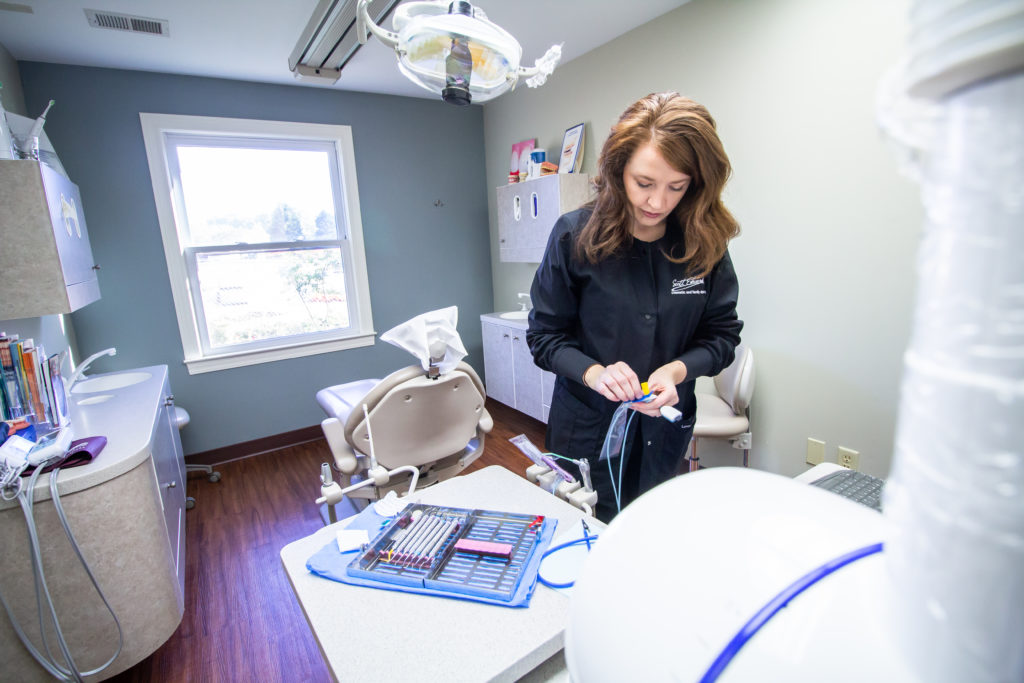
<point>169,401</point>
<point>534,208</point>
<point>504,336</point>
<point>171,485</point>
<point>515,338</point>
<point>96,267</point>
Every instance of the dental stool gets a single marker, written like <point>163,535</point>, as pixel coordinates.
<point>181,419</point>
<point>435,423</point>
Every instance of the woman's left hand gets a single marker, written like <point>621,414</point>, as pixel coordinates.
<point>662,383</point>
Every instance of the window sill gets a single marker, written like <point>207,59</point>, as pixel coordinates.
<point>239,359</point>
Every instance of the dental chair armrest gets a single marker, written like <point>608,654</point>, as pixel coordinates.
<point>486,422</point>
<point>345,459</point>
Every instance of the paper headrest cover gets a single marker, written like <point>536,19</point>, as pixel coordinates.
<point>431,335</point>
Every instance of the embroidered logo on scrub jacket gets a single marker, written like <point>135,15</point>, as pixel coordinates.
<point>688,286</point>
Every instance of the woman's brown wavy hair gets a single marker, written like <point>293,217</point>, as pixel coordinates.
<point>684,134</point>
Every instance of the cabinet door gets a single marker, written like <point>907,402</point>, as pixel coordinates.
<point>497,341</point>
<point>169,462</point>
<point>528,210</point>
<point>69,231</point>
<point>526,213</point>
<point>527,377</point>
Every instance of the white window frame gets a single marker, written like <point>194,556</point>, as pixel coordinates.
<point>155,129</point>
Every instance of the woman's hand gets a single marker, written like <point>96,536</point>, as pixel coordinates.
<point>616,382</point>
<point>662,383</point>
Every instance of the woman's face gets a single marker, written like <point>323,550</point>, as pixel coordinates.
<point>653,188</point>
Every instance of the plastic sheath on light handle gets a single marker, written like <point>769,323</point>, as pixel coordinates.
<point>550,462</point>
<point>523,443</point>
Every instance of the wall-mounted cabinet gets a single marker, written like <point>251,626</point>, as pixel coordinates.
<point>45,257</point>
<point>527,211</point>
<point>512,377</point>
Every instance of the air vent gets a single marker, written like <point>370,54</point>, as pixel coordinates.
<point>127,22</point>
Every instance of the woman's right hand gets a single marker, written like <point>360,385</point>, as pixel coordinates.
<point>616,382</point>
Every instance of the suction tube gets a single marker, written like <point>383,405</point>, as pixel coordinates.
<point>955,496</point>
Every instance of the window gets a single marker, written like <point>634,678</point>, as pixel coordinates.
<point>263,238</point>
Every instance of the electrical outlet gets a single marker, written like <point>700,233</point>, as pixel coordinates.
<point>849,458</point>
<point>815,451</point>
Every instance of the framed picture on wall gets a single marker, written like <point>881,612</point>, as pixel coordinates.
<point>519,164</point>
<point>571,160</point>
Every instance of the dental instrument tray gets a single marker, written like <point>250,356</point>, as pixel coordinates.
<point>461,552</point>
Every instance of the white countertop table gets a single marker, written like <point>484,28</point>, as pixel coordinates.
<point>368,634</point>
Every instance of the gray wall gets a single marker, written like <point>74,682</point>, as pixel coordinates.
<point>409,153</point>
<point>11,95</point>
<point>826,258</point>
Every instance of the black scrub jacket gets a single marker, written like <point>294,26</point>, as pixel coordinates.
<point>639,308</point>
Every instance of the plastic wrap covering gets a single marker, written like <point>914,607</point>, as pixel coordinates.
<point>955,496</point>
<point>616,433</point>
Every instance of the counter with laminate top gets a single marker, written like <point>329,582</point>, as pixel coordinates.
<point>126,509</point>
<point>125,416</point>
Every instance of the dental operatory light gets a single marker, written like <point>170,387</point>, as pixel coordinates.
<point>451,48</point>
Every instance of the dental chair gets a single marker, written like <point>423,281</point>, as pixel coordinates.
<point>425,427</point>
<point>725,415</point>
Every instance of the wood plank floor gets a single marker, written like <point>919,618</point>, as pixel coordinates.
<point>242,621</point>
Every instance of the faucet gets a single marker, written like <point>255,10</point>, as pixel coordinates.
<point>80,370</point>
<point>524,305</point>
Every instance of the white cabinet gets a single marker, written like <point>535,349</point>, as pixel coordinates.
<point>45,256</point>
<point>528,210</point>
<point>498,363</point>
<point>512,376</point>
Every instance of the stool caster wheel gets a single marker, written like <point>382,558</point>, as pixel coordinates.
<point>190,503</point>
<point>214,476</point>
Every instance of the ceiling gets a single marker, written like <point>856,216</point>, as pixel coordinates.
<point>251,40</point>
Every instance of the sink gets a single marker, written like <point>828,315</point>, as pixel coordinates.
<point>93,400</point>
<point>515,315</point>
<point>108,382</point>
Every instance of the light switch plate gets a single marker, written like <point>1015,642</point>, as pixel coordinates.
<point>815,451</point>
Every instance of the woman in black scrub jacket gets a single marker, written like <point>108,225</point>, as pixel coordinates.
<point>638,286</point>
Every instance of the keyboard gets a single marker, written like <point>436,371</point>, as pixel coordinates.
<point>857,486</point>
